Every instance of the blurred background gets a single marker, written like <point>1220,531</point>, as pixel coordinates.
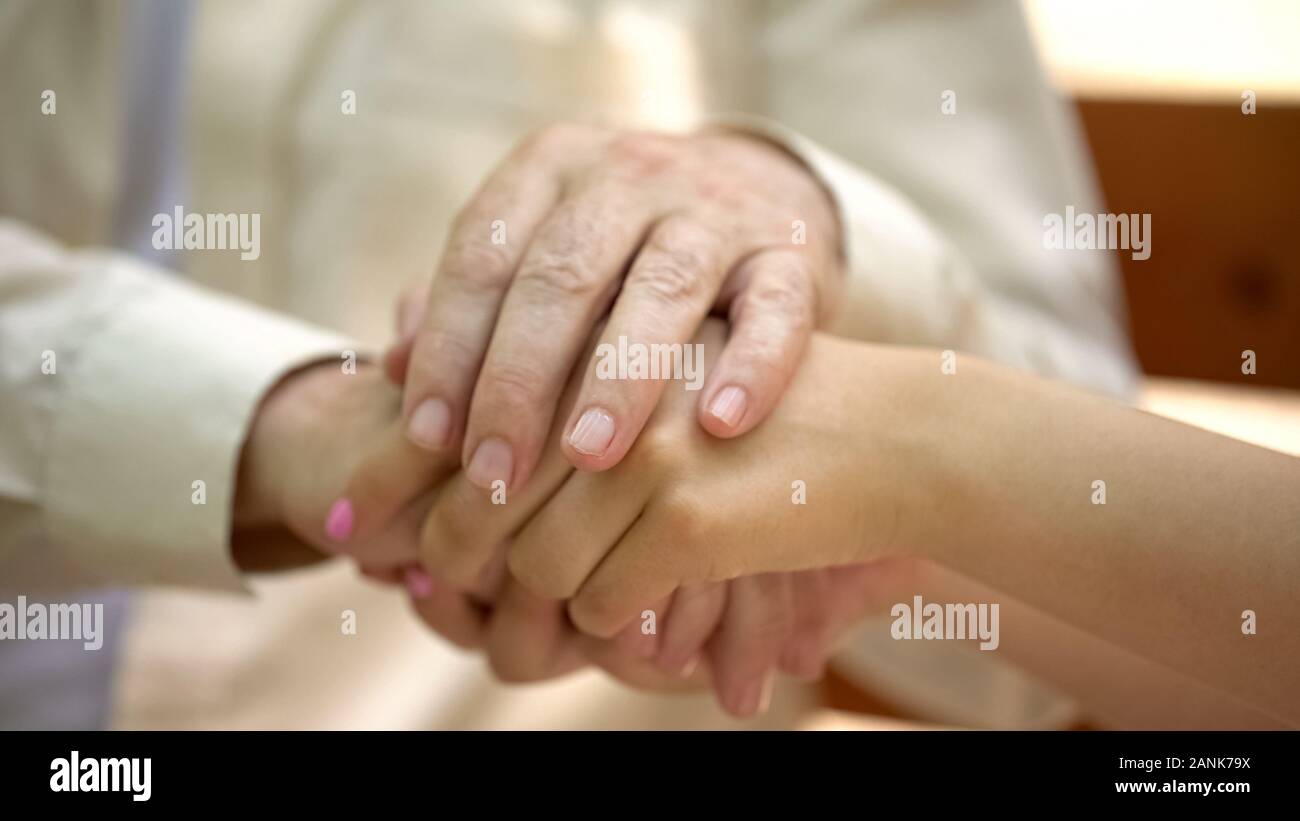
<point>1159,87</point>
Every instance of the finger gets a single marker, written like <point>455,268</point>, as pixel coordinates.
<point>465,534</point>
<point>771,322</point>
<point>648,563</point>
<point>641,637</point>
<point>466,531</point>
<point>565,283</point>
<point>412,303</point>
<point>746,648</point>
<point>830,602</point>
<point>564,542</point>
<point>529,638</point>
<point>384,575</point>
<point>696,611</point>
<point>408,317</point>
<point>392,473</point>
<point>449,614</point>
<point>395,545</point>
<point>668,291</point>
<point>805,650</point>
<point>631,669</point>
<point>483,250</point>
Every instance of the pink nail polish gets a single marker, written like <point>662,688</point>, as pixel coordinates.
<point>593,433</point>
<point>338,524</point>
<point>418,583</point>
<point>728,405</point>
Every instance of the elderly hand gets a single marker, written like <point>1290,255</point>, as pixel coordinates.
<point>664,229</point>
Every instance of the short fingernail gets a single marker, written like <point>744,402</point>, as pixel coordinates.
<point>430,424</point>
<point>492,461</point>
<point>593,433</point>
<point>765,692</point>
<point>728,405</point>
<point>688,669</point>
<point>339,521</point>
<point>755,695</point>
<point>418,583</point>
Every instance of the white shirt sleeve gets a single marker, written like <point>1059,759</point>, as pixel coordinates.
<point>120,389</point>
<point>943,212</point>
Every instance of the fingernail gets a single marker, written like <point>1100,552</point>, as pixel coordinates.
<point>593,433</point>
<point>688,669</point>
<point>418,583</point>
<point>755,696</point>
<point>765,694</point>
<point>492,460</point>
<point>430,424</point>
<point>728,405</point>
<point>339,521</point>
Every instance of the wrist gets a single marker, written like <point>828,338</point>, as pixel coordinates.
<point>900,416</point>
<point>269,452</point>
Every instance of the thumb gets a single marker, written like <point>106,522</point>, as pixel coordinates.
<point>391,474</point>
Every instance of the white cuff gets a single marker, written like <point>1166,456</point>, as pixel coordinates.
<point>158,397</point>
<point>904,283</point>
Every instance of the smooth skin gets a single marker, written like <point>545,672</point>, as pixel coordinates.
<point>317,428</point>
<point>987,473</point>
<point>742,632</point>
<point>320,429</point>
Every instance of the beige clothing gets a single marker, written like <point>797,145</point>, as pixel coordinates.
<point>157,380</point>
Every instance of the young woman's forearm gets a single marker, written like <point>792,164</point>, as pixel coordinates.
<point>1195,528</point>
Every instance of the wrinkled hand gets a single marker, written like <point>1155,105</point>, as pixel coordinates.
<point>664,229</point>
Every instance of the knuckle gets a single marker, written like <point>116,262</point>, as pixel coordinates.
<point>673,271</point>
<point>782,298</point>
<point>475,264</point>
<point>643,153</point>
<point>692,541</point>
<point>596,613</point>
<point>657,449</point>
<point>537,573</point>
<point>561,274</point>
<point>515,387</point>
<point>437,542</point>
<point>440,353</point>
